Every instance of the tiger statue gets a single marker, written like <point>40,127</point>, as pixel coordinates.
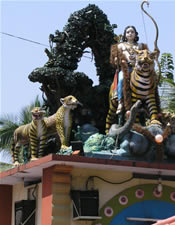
<point>33,134</point>
<point>62,120</point>
<point>141,85</point>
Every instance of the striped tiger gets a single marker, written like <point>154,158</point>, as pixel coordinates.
<point>33,133</point>
<point>111,116</point>
<point>143,83</point>
<point>142,86</point>
<point>37,133</point>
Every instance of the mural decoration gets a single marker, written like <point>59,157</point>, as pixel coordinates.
<point>141,201</point>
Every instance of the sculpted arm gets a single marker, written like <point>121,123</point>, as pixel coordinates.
<point>117,56</point>
<point>114,60</point>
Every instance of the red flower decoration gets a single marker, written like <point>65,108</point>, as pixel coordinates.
<point>172,196</point>
<point>139,193</point>
<point>157,193</point>
<point>108,211</point>
<point>123,199</point>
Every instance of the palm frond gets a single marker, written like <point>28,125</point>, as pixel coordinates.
<point>25,114</point>
<point>37,102</point>
<point>9,123</point>
<point>6,118</point>
<point>6,133</point>
<point>169,81</point>
<point>5,156</point>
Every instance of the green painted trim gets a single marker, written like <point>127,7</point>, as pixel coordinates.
<point>130,193</point>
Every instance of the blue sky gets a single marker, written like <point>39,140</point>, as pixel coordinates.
<point>35,20</point>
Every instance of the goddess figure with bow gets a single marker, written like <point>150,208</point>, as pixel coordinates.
<point>125,50</point>
<point>123,57</point>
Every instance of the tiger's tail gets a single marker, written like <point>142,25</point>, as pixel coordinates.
<point>111,116</point>
<point>13,149</point>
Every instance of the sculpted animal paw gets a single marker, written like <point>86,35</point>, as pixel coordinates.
<point>34,159</point>
<point>156,122</point>
<point>17,163</point>
<point>64,147</point>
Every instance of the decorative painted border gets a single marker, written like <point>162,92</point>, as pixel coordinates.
<point>131,196</point>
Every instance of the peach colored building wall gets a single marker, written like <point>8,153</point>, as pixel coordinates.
<point>79,178</point>
<point>21,193</point>
<point>106,190</point>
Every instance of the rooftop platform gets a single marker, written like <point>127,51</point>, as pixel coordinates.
<point>33,170</point>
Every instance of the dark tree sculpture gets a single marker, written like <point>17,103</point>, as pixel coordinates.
<point>86,28</point>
